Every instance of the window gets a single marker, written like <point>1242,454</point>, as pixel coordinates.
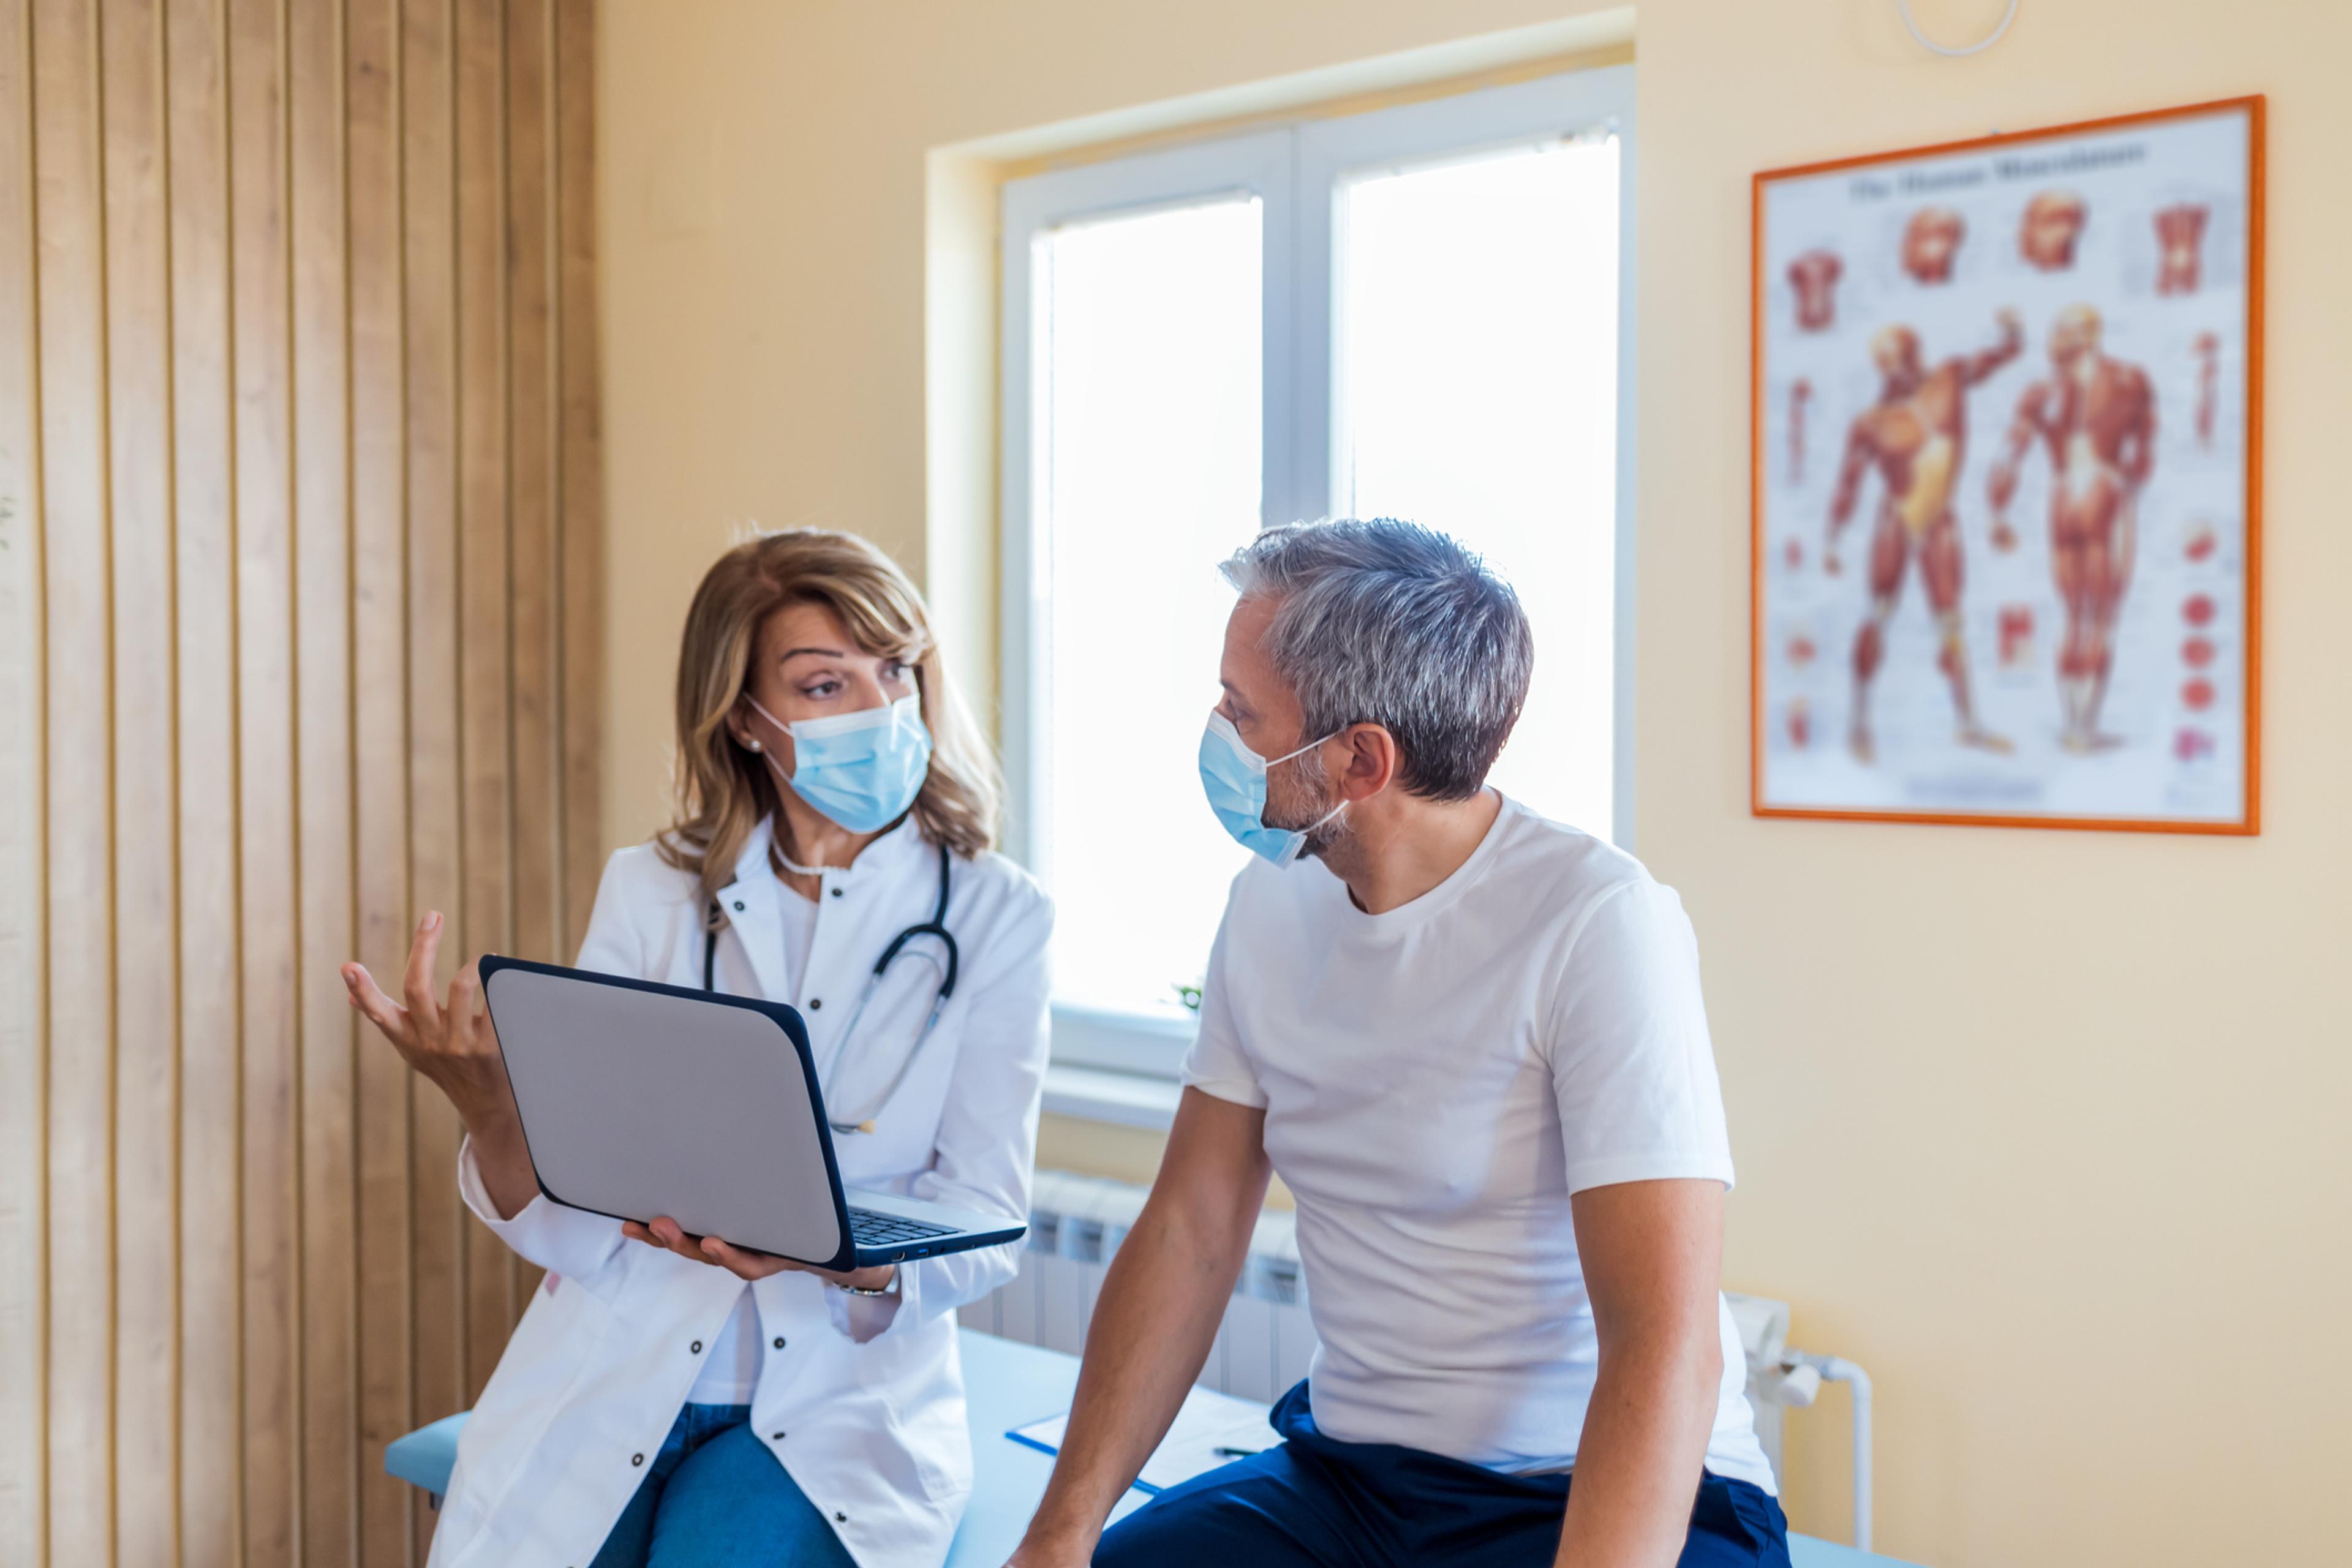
<point>1419,312</point>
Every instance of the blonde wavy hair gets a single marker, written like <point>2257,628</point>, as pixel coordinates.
<point>721,790</point>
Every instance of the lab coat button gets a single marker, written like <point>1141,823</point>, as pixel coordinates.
<point>636,1458</point>
<point>836,892</point>
<point>696,1347</point>
<point>814,1003</point>
<point>841,1519</point>
<point>779,1342</point>
<point>739,906</point>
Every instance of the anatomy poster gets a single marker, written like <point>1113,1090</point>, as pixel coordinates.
<point>2006,431</point>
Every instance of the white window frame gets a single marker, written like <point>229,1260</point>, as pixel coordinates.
<point>1296,171</point>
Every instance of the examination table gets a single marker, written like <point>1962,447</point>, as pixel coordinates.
<point>1007,1385</point>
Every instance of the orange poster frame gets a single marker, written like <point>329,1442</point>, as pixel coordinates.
<point>2248,821</point>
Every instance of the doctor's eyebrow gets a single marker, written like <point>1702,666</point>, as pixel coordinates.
<point>820,652</point>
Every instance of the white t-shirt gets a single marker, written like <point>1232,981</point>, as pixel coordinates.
<point>1437,1080</point>
<point>730,1373</point>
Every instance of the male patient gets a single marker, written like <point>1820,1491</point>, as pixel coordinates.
<point>1472,1042</point>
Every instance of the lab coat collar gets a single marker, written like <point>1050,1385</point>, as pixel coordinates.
<point>893,848</point>
<point>754,853</point>
<point>894,851</point>
<point>749,902</point>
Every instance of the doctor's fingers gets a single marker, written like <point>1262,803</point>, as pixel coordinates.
<point>466,1021</point>
<point>665,1233</point>
<point>386,1015</point>
<point>744,1265</point>
<point>636,1232</point>
<point>416,983</point>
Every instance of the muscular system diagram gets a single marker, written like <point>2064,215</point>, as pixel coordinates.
<point>2005,414</point>
<point>1814,277</point>
<point>1931,243</point>
<point>2179,242</point>
<point>2209,374</point>
<point>1799,395</point>
<point>2052,223</point>
<point>2096,417</point>
<point>1916,438</point>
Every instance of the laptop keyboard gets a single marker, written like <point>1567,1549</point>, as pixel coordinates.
<point>867,1229</point>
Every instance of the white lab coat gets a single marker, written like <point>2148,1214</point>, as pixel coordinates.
<point>864,1402</point>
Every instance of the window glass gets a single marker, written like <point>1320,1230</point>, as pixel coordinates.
<point>1475,341</point>
<point>1146,438</point>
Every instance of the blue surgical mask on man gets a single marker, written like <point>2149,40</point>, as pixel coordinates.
<point>862,770</point>
<point>1234,779</point>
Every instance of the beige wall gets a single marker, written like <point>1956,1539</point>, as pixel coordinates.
<point>2046,1129</point>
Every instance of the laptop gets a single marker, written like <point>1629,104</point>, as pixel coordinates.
<point>639,1100</point>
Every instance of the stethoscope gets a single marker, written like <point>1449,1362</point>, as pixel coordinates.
<point>936,926</point>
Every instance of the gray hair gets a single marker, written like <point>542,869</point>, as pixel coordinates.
<point>1389,622</point>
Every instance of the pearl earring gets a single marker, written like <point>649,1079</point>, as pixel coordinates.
<point>754,745</point>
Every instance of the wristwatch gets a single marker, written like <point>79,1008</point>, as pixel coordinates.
<point>889,1290</point>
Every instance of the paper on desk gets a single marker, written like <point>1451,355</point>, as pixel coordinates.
<point>1209,1421</point>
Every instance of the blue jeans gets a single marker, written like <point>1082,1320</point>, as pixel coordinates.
<point>716,1495</point>
<point>1316,1503</point>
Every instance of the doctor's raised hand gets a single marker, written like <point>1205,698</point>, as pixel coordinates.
<point>451,1044</point>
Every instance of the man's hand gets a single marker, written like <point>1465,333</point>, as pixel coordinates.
<point>1035,1553</point>
<point>665,1233</point>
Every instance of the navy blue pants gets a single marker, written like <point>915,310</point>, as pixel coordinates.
<point>1316,1503</point>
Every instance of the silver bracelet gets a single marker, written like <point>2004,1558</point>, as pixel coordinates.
<point>889,1290</point>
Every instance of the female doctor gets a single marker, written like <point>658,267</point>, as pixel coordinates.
<point>667,1401</point>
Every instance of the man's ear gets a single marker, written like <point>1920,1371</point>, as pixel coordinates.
<point>1373,760</point>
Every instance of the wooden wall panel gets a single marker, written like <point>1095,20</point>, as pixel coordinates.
<point>300,537</point>
<point>531,446</point>
<point>80,620</point>
<point>579,468</point>
<point>24,1194</point>
<point>326,936</point>
<point>380,745</point>
<point>537,824</point>
<point>212,1470</point>
<point>261,455</point>
<point>434,846</point>
<point>485,778</point>
<point>212,1449</point>
<point>146,999</point>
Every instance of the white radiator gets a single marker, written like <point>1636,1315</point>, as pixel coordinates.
<point>1077,1222</point>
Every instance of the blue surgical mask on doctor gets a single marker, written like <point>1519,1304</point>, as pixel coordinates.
<point>862,770</point>
<point>1234,779</point>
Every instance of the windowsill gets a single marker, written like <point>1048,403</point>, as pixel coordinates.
<point>1146,1044</point>
<point>1116,1066</point>
<point>1121,1099</point>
